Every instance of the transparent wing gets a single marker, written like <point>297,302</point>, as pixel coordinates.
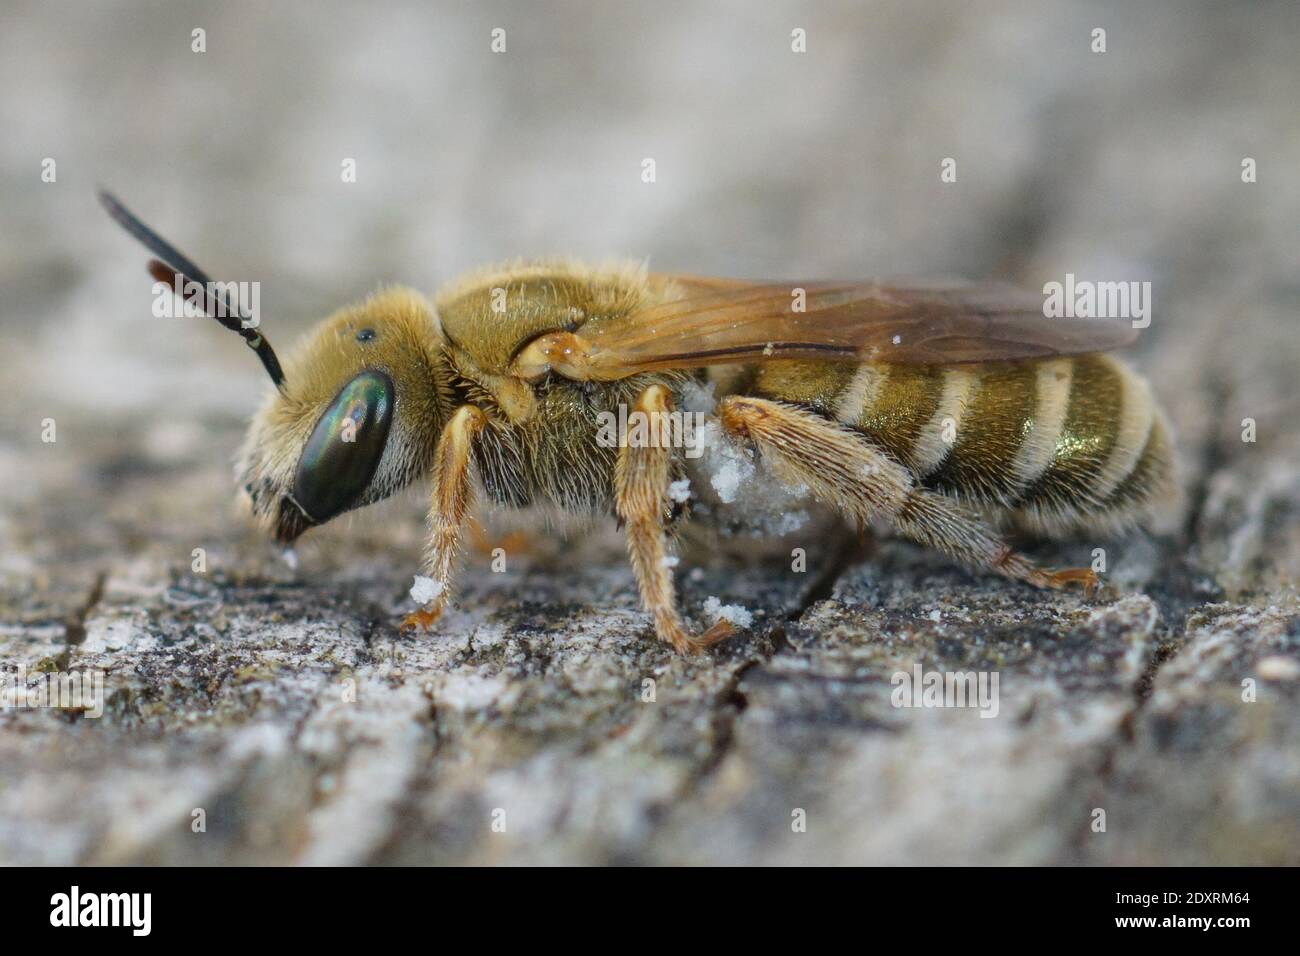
<point>723,321</point>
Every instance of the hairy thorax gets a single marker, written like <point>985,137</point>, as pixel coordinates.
<point>544,441</point>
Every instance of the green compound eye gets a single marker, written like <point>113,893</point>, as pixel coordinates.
<point>345,447</point>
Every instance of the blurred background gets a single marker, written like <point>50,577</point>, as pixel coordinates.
<point>769,163</point>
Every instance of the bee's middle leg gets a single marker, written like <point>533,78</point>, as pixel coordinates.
<point>843,469</point>
<point>452,497</point>
<point>641,481</point>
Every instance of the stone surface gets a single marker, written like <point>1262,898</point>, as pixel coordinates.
<point>284,704</point>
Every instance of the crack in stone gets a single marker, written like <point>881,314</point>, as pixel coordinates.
<point>420,784</point>
<point>1214,455</point>
<point>74,625</point>
<point>730,703</point>
<point>1175,605</point>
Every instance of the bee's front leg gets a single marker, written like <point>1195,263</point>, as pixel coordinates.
<point>452,496</point>
<point>641,495</point>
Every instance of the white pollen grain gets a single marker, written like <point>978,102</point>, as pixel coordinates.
<point>731,613</point>
<point>425,590</point>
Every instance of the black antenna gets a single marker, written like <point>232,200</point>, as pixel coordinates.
<point>171,263</point>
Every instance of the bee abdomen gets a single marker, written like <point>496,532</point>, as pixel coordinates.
<point>1113,462</point>
<point>1151,477</point>
<point>977,432</point>
<point>997,436</point>
<point>1055,444</point>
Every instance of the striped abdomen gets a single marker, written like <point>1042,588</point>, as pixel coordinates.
<point>1053,444</point>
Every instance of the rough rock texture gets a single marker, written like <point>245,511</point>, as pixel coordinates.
<point>285,705</point>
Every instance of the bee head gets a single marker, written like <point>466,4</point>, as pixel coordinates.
<point>356,418</point>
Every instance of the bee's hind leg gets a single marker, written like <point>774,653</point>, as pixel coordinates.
<point>842,468</point>
<point>641,480</point>
<point>452,496</point>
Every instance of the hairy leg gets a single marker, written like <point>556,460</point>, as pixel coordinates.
<point>641,480</point>
<point>843,469</point>
<point>452,496</point>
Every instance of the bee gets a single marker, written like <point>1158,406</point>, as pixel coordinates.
<point>952,413</point>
